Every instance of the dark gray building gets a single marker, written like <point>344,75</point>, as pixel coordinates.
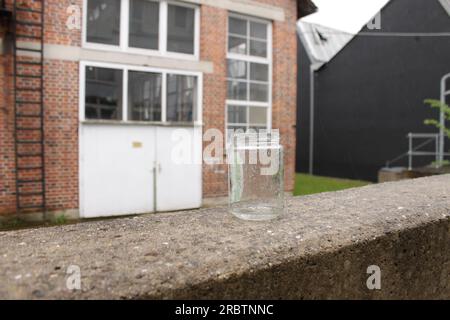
<point>368,90</point>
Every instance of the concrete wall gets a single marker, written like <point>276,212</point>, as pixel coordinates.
<point>320,248</point>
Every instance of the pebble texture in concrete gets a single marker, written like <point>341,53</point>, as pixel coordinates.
<point>321,248</point>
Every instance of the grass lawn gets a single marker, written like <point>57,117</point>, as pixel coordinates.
<point>306,184</point>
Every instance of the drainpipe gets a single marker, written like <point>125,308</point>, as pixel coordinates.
<point>312,73</point>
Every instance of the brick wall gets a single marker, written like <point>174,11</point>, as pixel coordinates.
<point>61,134</point>
<point>61,103</point>
<point>213,48</point>
<point>285,84</point>
<point>7,160</point>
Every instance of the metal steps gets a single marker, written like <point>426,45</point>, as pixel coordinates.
<point>28,18</point>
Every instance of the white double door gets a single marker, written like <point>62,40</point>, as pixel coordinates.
<point>131,169</point>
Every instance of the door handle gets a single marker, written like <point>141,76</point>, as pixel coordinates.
<point>157,168</point>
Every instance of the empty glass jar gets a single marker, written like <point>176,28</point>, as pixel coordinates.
<point>256,175</point>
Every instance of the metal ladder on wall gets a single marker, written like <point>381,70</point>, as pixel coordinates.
<point>28,46</point>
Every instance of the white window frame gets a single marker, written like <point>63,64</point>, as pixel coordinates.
<point>126,69</point>
<point>254,59</point>
<point>163,26</point>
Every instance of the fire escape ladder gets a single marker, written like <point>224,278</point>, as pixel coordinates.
<point>28,46</point>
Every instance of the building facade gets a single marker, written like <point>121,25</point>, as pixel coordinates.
<point>119,77</point>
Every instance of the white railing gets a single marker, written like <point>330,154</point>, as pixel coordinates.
<point>417,150</point>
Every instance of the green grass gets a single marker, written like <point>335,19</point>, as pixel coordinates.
<point>16,223</point>
<point>306,184</point>
<point>61,219</point>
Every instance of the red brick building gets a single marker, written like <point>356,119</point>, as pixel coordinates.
<point>117,76</point>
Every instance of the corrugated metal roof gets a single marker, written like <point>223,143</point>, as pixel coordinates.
<point>322,43</point>
<point>446,5</point>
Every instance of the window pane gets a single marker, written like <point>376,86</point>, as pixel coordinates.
<point>237,69</point>
<point>237,90</point>
<point>235,130</point>
<point>144,96</point>
<point>180,30</point>
<point>103,98</point>
<point>237,45</point>
<point>258,48</point>
<point>144,24</point>
<point>237,26</point>
<point>259,92</point>
<point>259,72</point>
<point>181,98</point>
<point>103,21</point>
<point>237,114</point>
<point>258,116</point>
<point>257,128</point>
<point>258,30</point>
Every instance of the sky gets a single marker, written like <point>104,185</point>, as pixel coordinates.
<point>345,15</point>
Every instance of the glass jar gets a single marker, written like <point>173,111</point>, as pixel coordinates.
<point>256,175</point>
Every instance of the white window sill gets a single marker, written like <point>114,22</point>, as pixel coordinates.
<point>142,123</point>
<point>140,52</point>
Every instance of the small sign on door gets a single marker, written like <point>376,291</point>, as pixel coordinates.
<point>137,145</point>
